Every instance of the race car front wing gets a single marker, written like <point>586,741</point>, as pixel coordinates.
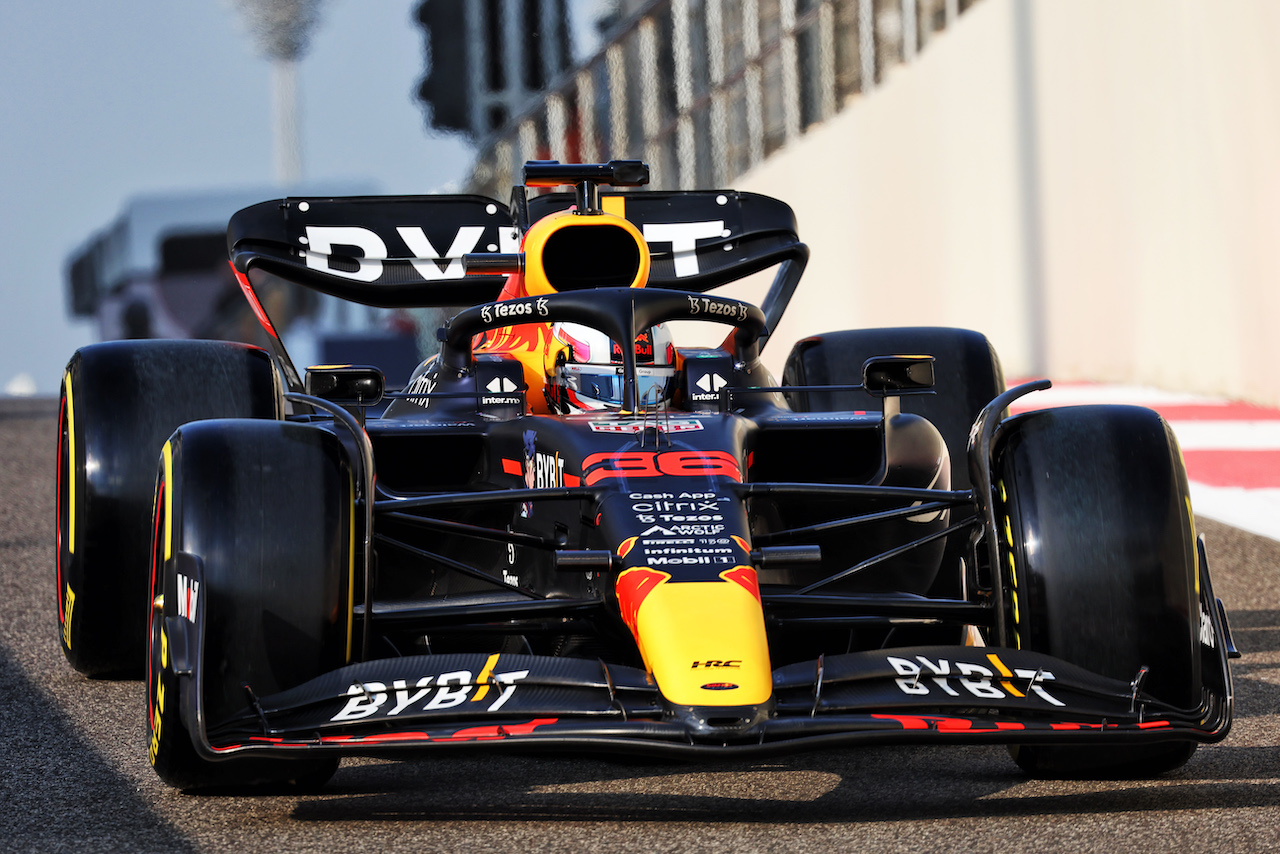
<point>912,695</point>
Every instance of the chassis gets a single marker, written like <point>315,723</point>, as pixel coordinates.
<point>869,552</point>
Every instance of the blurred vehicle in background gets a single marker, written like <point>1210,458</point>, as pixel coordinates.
<point>159,270</point>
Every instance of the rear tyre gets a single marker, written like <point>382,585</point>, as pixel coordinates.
<point>1102,565</point>
<point>120,401</point>
<point>264,512</point>
<point>967,377</point>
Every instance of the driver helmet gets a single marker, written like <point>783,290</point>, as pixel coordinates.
<point>586,374</point>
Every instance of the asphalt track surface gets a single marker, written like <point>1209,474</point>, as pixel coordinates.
<point>74,774</point>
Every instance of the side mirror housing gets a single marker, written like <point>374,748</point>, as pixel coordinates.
<point>351,385</point>
<point>884,376</point>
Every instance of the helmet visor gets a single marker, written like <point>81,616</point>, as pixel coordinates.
<point>604,383</point>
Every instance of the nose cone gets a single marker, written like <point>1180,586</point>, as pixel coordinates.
<point>704,641</point>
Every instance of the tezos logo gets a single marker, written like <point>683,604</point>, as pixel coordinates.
<point>508,309</point>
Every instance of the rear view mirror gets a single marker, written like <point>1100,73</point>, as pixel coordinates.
<point>361,385</point>
<point>894,375</point>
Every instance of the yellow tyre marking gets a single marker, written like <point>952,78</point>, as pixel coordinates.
<point>156,721</point>
<point>71,465</point>
<point>168,500</point>
<point>1191,517</point>
<point>69,603</point>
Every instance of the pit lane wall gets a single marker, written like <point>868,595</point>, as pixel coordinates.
<point>1094,185</point>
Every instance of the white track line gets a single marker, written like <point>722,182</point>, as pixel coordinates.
<point>1254,510</point>
<point>1227,435</point>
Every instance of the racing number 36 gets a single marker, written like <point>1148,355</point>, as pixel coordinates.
<point>598,467</point>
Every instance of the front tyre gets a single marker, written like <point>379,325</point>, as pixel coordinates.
<point>1100,565</point>
<point>254,533</point>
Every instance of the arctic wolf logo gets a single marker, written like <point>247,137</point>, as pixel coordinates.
<point>530,473</point>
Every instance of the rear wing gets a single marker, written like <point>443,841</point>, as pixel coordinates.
<point>406,251</point>
<point>409,251</point>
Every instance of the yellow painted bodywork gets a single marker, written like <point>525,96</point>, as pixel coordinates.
<point>708,632</point>
<point>485,675</point>
<point>535,240</point>
<point>616,205</point>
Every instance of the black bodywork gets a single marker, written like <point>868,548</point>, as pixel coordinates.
<point>489,547</point>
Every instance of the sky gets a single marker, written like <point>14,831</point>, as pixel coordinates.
<point>101,101</point>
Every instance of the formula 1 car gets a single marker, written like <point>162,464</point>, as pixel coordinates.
<point>552,539</point>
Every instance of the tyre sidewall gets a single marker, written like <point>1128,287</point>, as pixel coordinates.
<point>120,401</point>
<point>266,508</point>
<point>967,376</point>
<point>1104,564</point>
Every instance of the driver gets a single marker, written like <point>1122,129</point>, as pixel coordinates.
<point>584,369</point>
<point>578,368</point>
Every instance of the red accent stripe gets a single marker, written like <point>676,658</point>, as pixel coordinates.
<point>572,480</point>
<point>953,724</point>
<point>512,467</point>
<point>1227,412</point>
<point>745,577</point>
<point>1248,469</point>
<point>258,310</point>
<point>632,587</point>
<point>905,721</point>
<point>480,733</point>
<point>490,732</point>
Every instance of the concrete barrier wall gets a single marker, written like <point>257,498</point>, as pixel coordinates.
<point>1093,185</point>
